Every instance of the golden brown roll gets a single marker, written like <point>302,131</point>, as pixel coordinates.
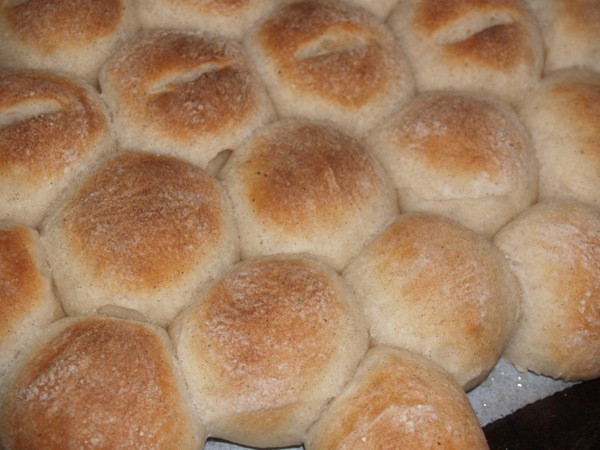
<point>554,251</point>
<point>225,17</point>
<point>52,127</point>
<point>142,231</point>
<point>434,287</point>
<point>99,382</point>
<point>301,186</point>
<point>571,32</point>
<point>563,117</point>
<point>330,60</point>
<point>267,346</point>
<point>380,8</point>
<point>462,155</point>
<point>185,93</point>
<point>75,36</point>
<point>478,45</point>
<point>398,399</point>
<point>27,303</point>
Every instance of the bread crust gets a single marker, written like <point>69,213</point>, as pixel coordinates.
<point>102,382</point>
<point>266,346</point>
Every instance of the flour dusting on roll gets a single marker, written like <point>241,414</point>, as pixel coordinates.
<point>52,127</point>
<point>479,45</point>
<point>554,251</point>
<point>398,399</point>
<point>267,346</point>
<point>302,186</point>
<point>99,382</point>
<point>432,286</point>
<point>330,60</point>
<point>74,36</point>
<point>563,118</point>
<point>462,155</point>
<point>142,231</point>
<point>186,93</point>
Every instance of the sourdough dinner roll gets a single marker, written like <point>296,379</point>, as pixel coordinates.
<point>554,250</point>
<point>27,303</point>
<point>462,155</point>
<point>486,46</point>
<point>52,126</point>
<point>398,399</point>
<point>226,17</point>
<point>326,59</point>
<point>563,117</point>
<point>432,286</point>
<point>186,93</point>
<point>142,231</point>
<point>75,36</point>
<point>571,32</point>
<point>301,186</point>
<point>98,382</point>
<point>267,346</point>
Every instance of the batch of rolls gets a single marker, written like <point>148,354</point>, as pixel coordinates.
<point>281,223</point>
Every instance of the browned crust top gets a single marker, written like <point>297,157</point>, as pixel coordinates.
<point>268,329</point>
<point>305,174</point>
<point>51,25</point>
<point>185,84</point>
<point>101,383</point>
<point>46,123</point>
<point>501,47</point>
<point>334,50</point>
<point>146,219</point>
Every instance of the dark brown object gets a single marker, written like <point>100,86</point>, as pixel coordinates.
<point>566,420</point>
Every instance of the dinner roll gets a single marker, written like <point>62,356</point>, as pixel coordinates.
<point>554,250</point>
<point>571,32</point>
<point>52,126</point>
<point>142,231</point>
<point>432,286</point>
<point>75,36</point>
<point>301,186</point>
<point>462,155</point>
<point>563,117</point>
<point>267,346</point>
<point>185,93</point>
<point>480,45</point>
<point>99,382</point>
<point>27,303</point>
<point>330,60</point>
<point>226,17</point>
<point>398,399</point>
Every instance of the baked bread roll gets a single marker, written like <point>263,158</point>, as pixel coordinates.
<point>554,250</point>
<point>299,186</point>
<point>462,155</point>
<point>74,36</point>
<point>330,60</point>
<point>52,126</point>
<point>563,117</point>
<point>478,45</point>
<point>398,399</point>
<point>142,231</point>
<point>224,17</point>
<point>571,32</point>
<point>267,346</point>
<point>99,382</point>
<point>185,93</point>
<point>434,287</point>
<point>27,303</point>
